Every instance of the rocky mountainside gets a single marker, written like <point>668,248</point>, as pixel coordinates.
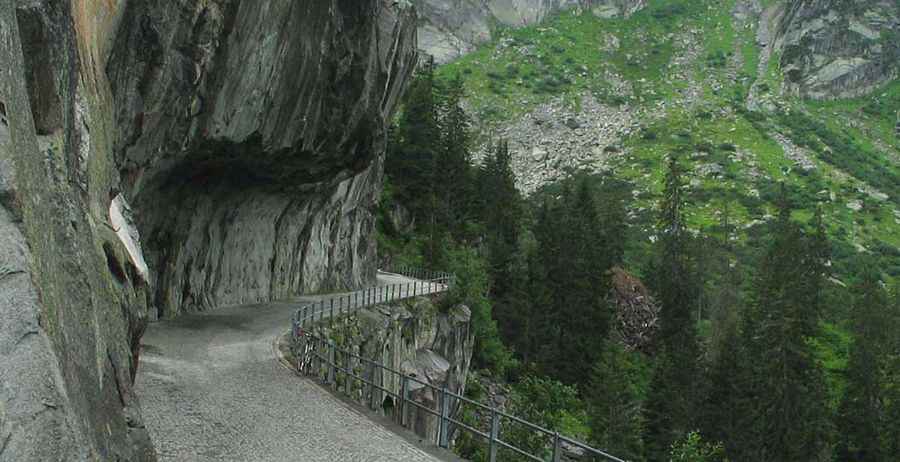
<point>449,29</point>
<point>750,93</point>
<point>838,49</point>
<point>160,157</point>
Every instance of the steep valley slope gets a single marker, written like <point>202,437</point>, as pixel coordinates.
<point>749,93</point>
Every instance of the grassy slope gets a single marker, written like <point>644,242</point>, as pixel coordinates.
<point>571,54</point>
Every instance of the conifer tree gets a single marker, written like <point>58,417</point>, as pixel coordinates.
<point>454,181</point>
<point>671,402</point>
<point>545,278</point>
<point>891,429</point>
<point>861,412</point>
<point>723,399</point>
<point>412,155</point>
<point>614,405</point>
<point>501,214</point>
<point>786,414</point>
<point>583,309</point>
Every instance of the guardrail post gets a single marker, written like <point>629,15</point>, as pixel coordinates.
<point>331,363</point>
<point>404,386</point>
<point>445,419</point>
<point>295,326</point>
<point>315,364</point>
<point>556,447</point>
<point>369,375</point>
<point>495,433</point>
<point>347,375</point>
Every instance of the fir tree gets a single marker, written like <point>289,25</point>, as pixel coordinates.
<point>670,408</point>
<point>584,311</point>
<point>723,401</point>
<point>861,413</point>
<point>785,411</point>
<point>413,151</point>
<point>501,214</point>
<point>614,403</point>
<point>454,179</point>
<point>891,429</point>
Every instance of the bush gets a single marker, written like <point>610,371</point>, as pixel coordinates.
<point>549,404</point>
<point>471,289</point>
<point>728,147</point>
<point>716,59</point>
<point>648,134</point>
<point>693,449</point>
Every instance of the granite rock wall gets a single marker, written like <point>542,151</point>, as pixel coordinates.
<point>163,156</point>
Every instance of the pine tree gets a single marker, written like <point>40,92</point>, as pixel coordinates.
<point>412,154</point>
<point>614,404</point>
<point>861,413</point>
<point>584,311</point>
<point>723,400</point>
<point>579,240</point>
<point>545,280</point>
<point>454,176</point>
<point>891,429</point>
<point>502,215</point>
<point>516,316</point>
<point>785,415</point>
<point>727,296</point>
<point>671,402</point>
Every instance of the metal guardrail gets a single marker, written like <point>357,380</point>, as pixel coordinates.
<point>338,367</point>
<point>434,282</point>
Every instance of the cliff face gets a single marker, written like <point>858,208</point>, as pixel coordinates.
<point>159,156</point>
<point>411,336</point>
<point>250,140</point>
<point>837,48</point>
<point>451,28</point>
<point>71,303</point>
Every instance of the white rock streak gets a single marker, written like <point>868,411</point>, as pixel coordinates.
<point>121,220</point>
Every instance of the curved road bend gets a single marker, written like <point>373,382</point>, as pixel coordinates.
<point>212,389</point>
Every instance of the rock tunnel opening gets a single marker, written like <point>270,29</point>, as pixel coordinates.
<point>238,224</point>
